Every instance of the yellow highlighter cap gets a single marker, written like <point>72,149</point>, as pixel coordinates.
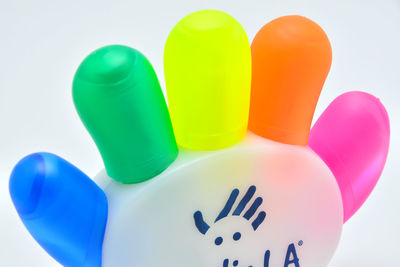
<point>207,64</point>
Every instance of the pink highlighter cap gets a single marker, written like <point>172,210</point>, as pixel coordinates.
<point>352,137</point>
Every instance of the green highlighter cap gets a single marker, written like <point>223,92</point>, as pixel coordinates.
<point>119,99</point>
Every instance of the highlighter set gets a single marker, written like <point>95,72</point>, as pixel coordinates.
<point>250,184</point>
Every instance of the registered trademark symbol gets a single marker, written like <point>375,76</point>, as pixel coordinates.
<point>300,243</point>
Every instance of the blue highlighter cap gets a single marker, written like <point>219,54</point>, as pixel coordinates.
<point>62,208</point>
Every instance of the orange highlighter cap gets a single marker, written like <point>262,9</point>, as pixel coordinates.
<point>291,58</point>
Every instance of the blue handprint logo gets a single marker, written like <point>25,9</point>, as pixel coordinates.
<point>248,215</point>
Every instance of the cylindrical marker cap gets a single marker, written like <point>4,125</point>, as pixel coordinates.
<point>291,59</point>
<point>62,208</point>
<point>352,136</point>
<point>119,99</point>
<point>207,64</point>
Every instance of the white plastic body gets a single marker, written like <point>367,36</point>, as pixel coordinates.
<point>152,224</point>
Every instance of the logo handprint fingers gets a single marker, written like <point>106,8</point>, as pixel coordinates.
<point>228,206</point>
<point>259,220</point>
<point>253,208</point>
<point>246,198</point>
<point>201,225</point>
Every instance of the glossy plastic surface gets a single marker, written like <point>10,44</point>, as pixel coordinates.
<point>352,137</point>
<point>291,59</point>
<point>256,203</point>
<point>281,200</point>
<point>62,208</point>
<point>119,99</point>
<point>207,64</point>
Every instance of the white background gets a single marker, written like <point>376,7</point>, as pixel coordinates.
<point>42,43</point>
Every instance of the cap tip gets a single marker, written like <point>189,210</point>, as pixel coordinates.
<point>107,65</point>
<point>26,182</point>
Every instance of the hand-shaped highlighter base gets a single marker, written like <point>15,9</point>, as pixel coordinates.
<point>256,202</point>
<point>302,207</point>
